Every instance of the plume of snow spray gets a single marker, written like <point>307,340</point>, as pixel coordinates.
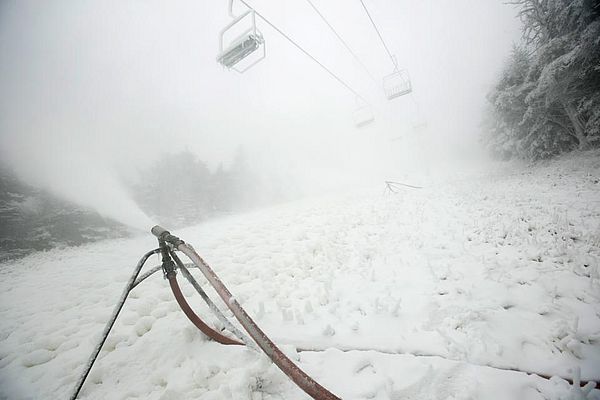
<point>84,179</point>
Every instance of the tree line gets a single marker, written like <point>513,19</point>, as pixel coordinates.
<point>179,189</point>
<point>547,100</point>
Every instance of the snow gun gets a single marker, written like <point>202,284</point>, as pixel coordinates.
<point>168,246</point>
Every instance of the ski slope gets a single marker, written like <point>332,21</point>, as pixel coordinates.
<point>439,293</point>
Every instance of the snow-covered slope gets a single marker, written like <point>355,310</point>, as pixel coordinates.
<point>435,293</point>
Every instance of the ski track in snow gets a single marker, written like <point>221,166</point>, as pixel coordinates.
<point>497,270</point>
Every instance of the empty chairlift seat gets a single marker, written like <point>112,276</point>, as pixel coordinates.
<point>397,84</point>
<point>239,50</point>
<point>247,47</point>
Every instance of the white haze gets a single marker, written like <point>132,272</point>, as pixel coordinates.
<point>93,91</point>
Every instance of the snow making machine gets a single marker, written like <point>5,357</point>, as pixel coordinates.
<point>254,338</point>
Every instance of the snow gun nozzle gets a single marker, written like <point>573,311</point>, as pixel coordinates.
<point>164,235</point>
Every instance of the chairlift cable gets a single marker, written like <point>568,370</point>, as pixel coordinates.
<point>397,83</point>
<point>342,41</point>
<point>392,58</point>
<point>305,52</point>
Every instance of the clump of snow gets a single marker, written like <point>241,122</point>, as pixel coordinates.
<point>37,357</point>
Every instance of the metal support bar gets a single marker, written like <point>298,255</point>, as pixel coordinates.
<point>146,275</point>
<point>111,322</point>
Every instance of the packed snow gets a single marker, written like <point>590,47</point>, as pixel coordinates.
<point>444,292</point>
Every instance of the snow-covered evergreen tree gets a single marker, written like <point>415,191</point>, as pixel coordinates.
<point>548,98</point>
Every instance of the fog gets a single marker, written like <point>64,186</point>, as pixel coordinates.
<point>93,91</point>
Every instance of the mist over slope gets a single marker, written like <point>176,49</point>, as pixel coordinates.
<point>426,294</point>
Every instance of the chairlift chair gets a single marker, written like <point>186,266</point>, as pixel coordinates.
<point>397,84</point>
<point>420,126</point>
<point>363,116</point>
<point>246,49</point>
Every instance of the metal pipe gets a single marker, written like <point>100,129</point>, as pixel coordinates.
<point>164,235</point>
<point>111,321</point>
<point>230,9</point>
<point>146,275</point>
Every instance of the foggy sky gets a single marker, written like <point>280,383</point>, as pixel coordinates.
<point>106,86</point>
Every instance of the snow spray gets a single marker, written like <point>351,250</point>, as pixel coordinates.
<point>87,181</point>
